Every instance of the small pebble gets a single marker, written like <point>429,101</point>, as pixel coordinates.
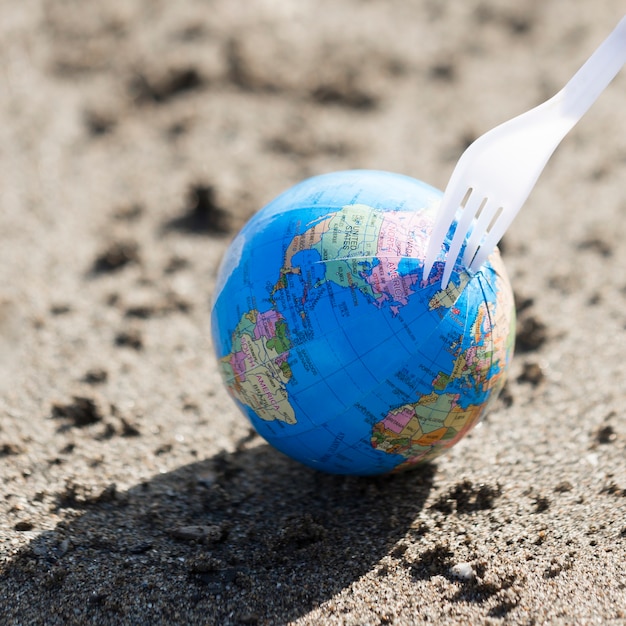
<point>116,256</point>
<point>207,534</point>
<point>95,376</point>
<point>463,571</point>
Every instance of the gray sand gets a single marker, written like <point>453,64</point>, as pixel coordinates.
<point>133,492</point>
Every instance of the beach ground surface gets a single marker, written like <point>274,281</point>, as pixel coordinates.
<point>136,138</point>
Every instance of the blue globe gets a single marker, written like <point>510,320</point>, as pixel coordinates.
<point>339,350</point>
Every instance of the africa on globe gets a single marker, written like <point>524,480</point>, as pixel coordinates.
<point>342,354</point>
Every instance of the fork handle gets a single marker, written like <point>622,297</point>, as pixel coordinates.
<point>593,77</point>
<point>566,108</point>
<point>572,102</point>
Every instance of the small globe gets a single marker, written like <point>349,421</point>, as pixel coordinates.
<point>333,343</point>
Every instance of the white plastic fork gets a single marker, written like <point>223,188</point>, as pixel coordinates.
<point>495,175</point>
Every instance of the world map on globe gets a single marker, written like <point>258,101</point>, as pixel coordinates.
<point>333,343</point>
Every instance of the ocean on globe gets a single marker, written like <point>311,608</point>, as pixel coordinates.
<point>342,354</point>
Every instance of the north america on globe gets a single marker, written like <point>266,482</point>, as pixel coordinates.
<point>333,343</point>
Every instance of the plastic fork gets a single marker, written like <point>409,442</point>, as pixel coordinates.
<point>495,175</point>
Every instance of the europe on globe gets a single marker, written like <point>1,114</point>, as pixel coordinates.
<point>342,354</point>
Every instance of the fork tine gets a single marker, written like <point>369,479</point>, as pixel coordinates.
<point>472,205</point>
<point>480,231</point>
<point>450,203</point>
<point>503,221</point>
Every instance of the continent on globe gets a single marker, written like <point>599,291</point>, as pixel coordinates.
<point>333,343</point>
<point>257,365</point>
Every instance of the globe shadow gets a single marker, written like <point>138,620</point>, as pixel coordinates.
<point>242,537</point>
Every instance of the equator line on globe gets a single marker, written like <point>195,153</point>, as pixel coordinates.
<point>333,343</point>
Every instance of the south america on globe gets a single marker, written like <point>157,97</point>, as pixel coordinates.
<point>342,354</point>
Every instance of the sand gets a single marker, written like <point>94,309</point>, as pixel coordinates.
<point>136,138</point>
